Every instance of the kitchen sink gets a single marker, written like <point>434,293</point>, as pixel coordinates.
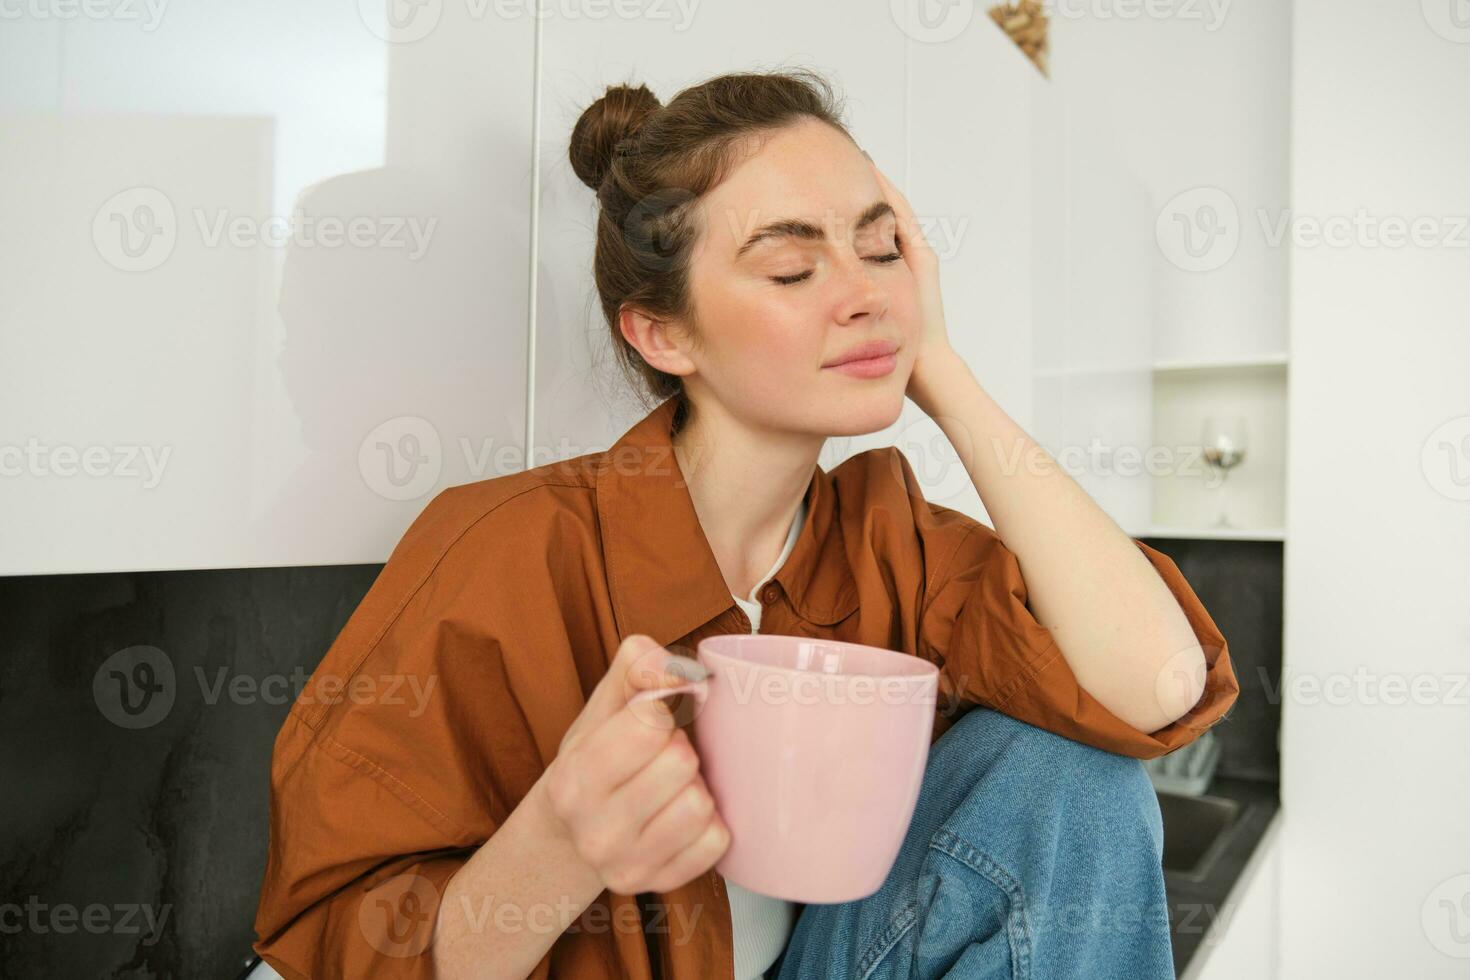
<point>1196,829</point>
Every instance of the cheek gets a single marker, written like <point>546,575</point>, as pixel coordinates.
<point>775,338</point>
<point>903,310</point>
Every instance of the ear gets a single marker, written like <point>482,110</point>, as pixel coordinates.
<point>662,343</point>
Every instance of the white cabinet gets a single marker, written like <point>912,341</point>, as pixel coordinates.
<point>1173,289</point>
<point>1242,941</point>
<point>262,279</point>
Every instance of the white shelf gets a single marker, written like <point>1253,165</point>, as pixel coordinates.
<point>1213,533</point>
<point>1262,362</point>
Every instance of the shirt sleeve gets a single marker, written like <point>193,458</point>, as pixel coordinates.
<point>991,651</point>
<point>402,754</point>
<point>355,870</point>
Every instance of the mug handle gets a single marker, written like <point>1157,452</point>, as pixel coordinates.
<point>700,690</point>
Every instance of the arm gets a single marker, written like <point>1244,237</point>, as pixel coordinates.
<point>1116,623</point>
<point>1117,626</point>
<point>513,898</point>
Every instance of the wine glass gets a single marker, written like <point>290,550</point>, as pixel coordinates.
<point>1223,439</point>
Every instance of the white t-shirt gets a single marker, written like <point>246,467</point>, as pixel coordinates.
<point>761,924</point>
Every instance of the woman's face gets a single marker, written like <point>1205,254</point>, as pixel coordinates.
<point>796,267</point>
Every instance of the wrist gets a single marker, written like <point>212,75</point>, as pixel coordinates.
<point>538,801</point>
<point>555,829</point>
<point>938,374</point>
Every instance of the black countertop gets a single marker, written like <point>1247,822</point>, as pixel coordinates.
<point>1194,905</point>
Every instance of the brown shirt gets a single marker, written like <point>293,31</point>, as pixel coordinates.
<point>447,693</point>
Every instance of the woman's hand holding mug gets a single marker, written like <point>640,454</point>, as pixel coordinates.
<point>625,785</point>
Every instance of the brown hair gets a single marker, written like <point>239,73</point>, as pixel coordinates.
<point>649,164</point>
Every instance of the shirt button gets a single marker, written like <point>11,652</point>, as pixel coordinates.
<point>769,593</point>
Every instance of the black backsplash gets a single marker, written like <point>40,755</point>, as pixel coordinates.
<point>162,827</point>
<point>1239,583</point>
<point>157,819</point>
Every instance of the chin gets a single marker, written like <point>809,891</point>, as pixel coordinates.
<point>865,412</point>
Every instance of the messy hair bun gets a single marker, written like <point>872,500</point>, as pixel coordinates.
<point>608,127</point>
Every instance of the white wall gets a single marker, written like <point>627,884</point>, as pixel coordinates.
<point>1376,865</point>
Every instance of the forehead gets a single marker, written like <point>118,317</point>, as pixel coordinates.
<point>807,171</point>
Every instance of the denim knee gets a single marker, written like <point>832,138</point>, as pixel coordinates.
<point>1101,794</point>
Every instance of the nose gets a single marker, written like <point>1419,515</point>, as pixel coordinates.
<point>863,299</point>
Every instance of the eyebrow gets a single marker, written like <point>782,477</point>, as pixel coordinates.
<point>805,230</point>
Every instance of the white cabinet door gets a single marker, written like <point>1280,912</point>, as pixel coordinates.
<point>263,280</point>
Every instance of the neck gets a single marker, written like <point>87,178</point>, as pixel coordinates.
<point>746,482</point>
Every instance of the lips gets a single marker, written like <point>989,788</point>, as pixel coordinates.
<point>864,352</point>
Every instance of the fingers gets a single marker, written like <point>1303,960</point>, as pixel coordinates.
<point>681,821</point>
<point>912,237</point>
<point>636,666</point>
<point>694,859</point>
<point>625,743</point>
<point>649,790</point>
<point>685,837</point>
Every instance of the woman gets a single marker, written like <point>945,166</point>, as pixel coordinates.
<point>521,819</point>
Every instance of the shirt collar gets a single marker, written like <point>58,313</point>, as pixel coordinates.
<point>662,574</point>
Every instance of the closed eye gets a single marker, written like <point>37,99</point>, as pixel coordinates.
<point>791,280</point>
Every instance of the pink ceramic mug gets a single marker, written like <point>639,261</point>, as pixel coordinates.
<point>814,751</point>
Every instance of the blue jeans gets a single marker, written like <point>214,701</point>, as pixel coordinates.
<point>1029,856</point>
